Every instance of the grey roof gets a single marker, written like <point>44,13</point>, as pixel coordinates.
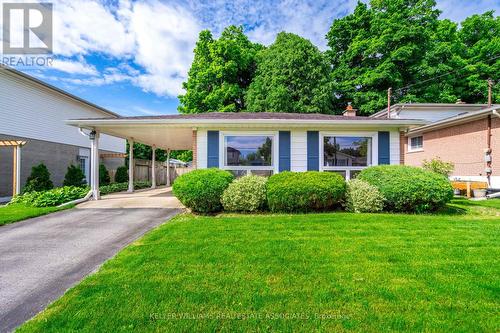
<point>252,116</point>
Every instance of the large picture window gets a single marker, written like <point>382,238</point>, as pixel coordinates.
<point>245,154</point>
<point>346,154</point>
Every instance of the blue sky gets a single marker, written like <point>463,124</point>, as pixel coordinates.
<point>132,56</point>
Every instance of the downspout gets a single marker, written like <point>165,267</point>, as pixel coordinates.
<point>495,112</point>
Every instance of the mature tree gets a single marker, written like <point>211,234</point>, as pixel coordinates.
<point>145,152</point>
<point>378,47</point>
<point>480,35</point>
<point>220,74</point>
<point>292,76</point>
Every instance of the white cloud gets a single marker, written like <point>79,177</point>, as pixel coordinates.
<point>82,27</point>
<point>152,42</point>
<point>157,37</point>
<point>264,19</point>
<point>165,37</point>
<point>74,67</point>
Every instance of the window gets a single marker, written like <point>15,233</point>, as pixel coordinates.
<point>347,155</point>
<point>416,143</point>
<point>245,154</point>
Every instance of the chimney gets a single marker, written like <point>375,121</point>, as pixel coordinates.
<point>349,111</point>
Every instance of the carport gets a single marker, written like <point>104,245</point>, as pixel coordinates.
<point>160,133</point>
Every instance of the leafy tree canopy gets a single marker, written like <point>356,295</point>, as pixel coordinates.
<point>402,44</point>
<point>221,72</point>
<point>292,76</point>
<point>145,152</point>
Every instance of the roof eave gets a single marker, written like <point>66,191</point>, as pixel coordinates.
<point>89,123</point>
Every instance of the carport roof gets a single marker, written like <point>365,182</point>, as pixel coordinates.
<point>175,131</point>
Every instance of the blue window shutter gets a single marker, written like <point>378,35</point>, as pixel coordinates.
<point>384,150</point>
<point>213,149</point>
<point>312,150</point>
<point>284,151</point>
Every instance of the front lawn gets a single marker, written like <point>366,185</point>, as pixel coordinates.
<point>328,272</point>
<point>17,212</point>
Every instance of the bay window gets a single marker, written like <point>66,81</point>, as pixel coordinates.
<point>346,154</point>
<point>249,154</point>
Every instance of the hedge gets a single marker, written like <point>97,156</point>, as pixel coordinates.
<point>201,190</point>
<point>409,189</point>
<point>362,197</point>
<point>304,191</point>
<point>246,194</point>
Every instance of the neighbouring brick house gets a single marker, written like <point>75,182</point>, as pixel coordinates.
<point>35,112</point>
<point>456,133</point>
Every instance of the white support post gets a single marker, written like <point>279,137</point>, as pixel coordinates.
<point>168,167</point>
<point>18,169</point>
<point>130,165</point>
<point>94,165</point>
<point>153,167</point>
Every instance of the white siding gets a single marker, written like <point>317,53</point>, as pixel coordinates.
<point>298,160</point>
<point>394,147</point>
<point>201,146</point>
<point>33,111</point>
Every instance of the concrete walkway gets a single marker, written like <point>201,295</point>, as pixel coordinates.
<point>41,258</point>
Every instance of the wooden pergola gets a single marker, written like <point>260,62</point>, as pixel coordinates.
<point>16,163</point>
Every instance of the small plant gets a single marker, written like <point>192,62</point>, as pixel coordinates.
<point>409,189</point>
<point>52,197</point>
<point>304,191</point>
<point>104,178</point>
<point>246,194</point>
<point>361,197</point>
<point>38,180</point>
<point>74,177</point>
<point>439,166</point>
<point>201,190</point>
<point>121,175</point>
<point>120,187</point>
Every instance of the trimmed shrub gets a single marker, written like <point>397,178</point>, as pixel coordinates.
<point>38,180</point>
<point>201,190</point>
<point>121,175</point>
<point>120,187</point>
<point>304,191</point>
<point>53,197</point>
<point>104,178</point>
<point>74,176</point>
<point>409,189</point>
<point>246,194</point>
<point>438,166</point>
<point>362,197</point>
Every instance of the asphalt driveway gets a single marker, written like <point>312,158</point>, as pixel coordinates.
<point>41,258</point>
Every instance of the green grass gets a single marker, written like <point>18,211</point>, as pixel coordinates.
<point>317,272</point>
<point>18,212</point>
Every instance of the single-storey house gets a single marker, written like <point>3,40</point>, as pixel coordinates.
<point>33,115</point>
<point>266,143</point>
<point>466,134</point>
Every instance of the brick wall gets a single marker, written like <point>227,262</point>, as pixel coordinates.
<point>461,144</point>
